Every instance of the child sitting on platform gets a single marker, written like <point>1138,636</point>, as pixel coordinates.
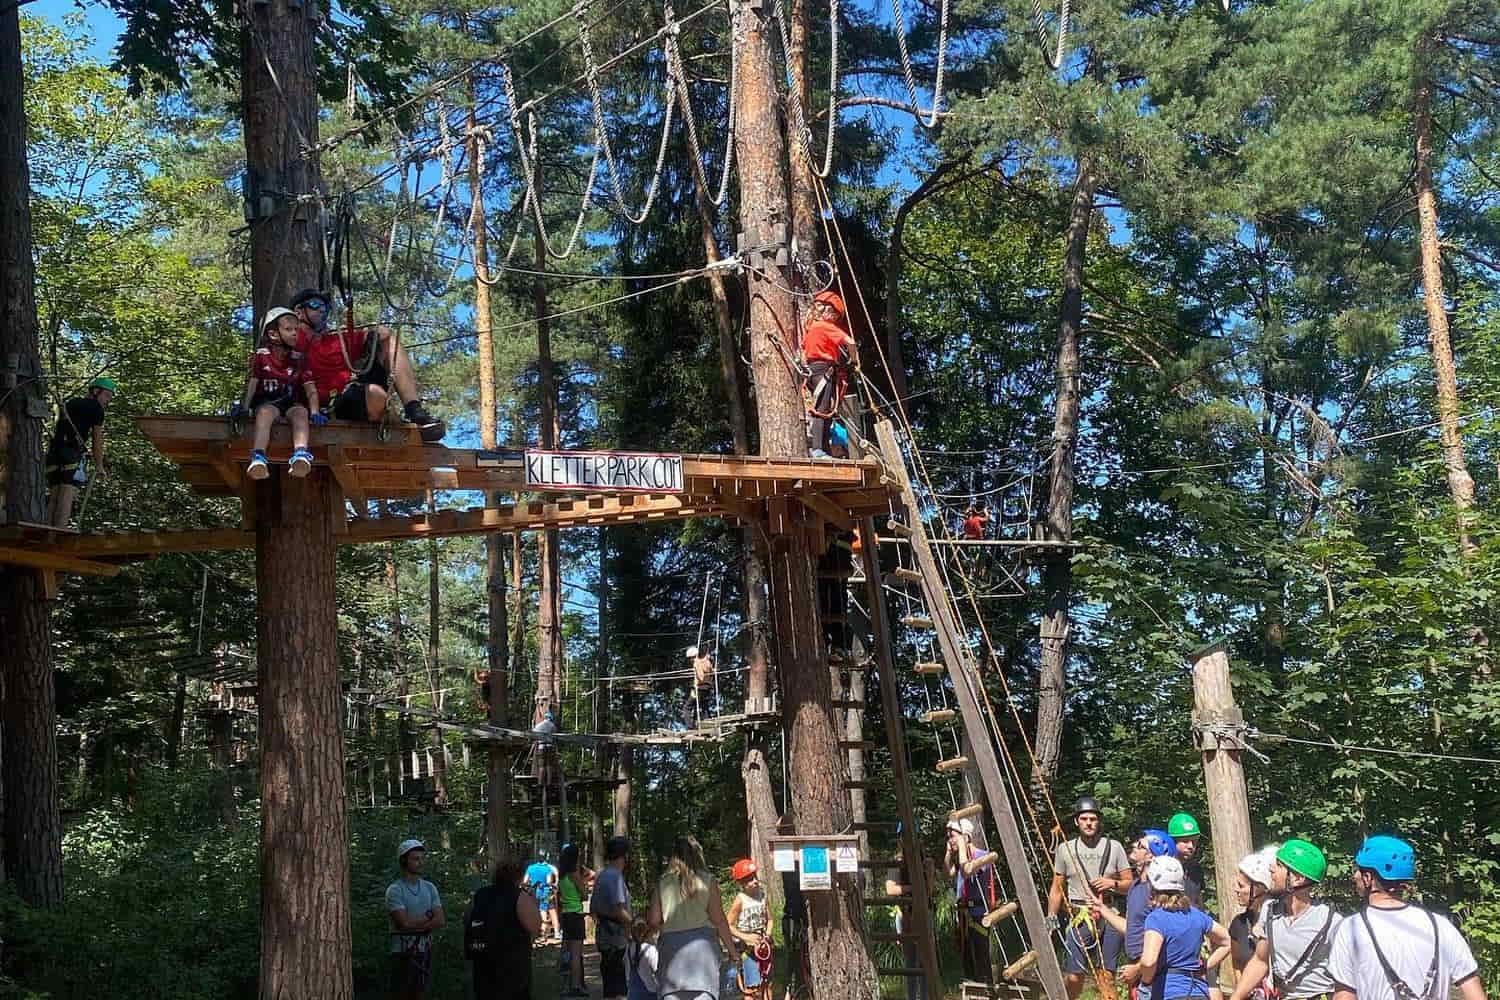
<point>276,376</point>
<point>749,919</point>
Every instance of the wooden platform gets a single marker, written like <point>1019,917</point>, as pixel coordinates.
<point>212,460</point>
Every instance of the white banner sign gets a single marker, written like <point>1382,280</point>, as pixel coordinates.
<point>611,471</point>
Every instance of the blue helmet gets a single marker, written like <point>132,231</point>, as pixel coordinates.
<point>1159,843</point>
<point>1389,857</point>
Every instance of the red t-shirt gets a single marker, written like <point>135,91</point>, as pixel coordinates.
<point>974,527</point>
<point>324,360</point>
<point>277,372</point>
<point>823,341</point>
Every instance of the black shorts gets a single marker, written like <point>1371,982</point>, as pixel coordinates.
<point>283,402</point>
<point>65,468</point>
<point>572,926</point>
<point>349,404</point>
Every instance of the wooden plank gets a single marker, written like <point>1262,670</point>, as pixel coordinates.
<point>920,917</point>
<point>53,561</point>
<point>348,480</point>
<point>828,511</point>
<point>964,675</point>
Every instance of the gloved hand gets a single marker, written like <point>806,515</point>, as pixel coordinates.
<point>1053,923</point>
<point>318,419</point>
<point>238,411</point>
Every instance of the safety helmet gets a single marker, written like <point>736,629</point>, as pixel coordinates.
<point>743,868</point>
<point>105,382</point>
<point>1303,858</point>
<point>1166,875</point>
<point>407,846</point>
<point>1183,825</point>
<point>307,295</point>
<point>274,314</point>
<point>1392,858</point>
<point>963,825</point>
<point>1086,804</point>
<point>831,299</point>
<point>1159,843</point>
<point>1257,866</point>
<point>692,652</point>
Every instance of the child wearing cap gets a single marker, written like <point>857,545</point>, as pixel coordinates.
<point>749,919</point>
<point>271,390</point>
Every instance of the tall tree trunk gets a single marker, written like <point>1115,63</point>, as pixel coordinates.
<point>1057,574</point>
<point>28,748</point>
<point>624,773</point>
<point>805,214</point>
<point>434,666</point>
<point>840,964</point>
<point>497,769</point>
<point>1460,483</point>
<point>306,938</point>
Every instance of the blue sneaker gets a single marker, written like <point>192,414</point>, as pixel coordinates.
<point>301,463</point>
<point>258,468</point>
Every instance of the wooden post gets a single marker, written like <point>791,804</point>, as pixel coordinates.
<point>965,673</point>
<point>1219,728</point>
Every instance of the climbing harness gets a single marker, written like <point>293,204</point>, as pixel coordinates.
<point>1276,983</point>
<point>1399,986</point>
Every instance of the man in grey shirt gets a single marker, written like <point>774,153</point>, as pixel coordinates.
<point>416,911</point>
<point>1294,935</point>
<point>1088,866</point>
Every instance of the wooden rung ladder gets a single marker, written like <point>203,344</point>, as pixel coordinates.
<point>952,764</point>
<point>979,861</point>
<point>1019,966</point>
<point>909,575</point>
<point>999,913</point>
<point>899,528</point>
<point>939,715</point>
<point>964,812</point>
<point>918,621</point>
<point>930,668</point>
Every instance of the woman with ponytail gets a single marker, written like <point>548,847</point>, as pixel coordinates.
<point>688,908</point>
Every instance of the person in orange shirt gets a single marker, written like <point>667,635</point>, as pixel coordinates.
<point>828,352</point>
<point>976,519</point>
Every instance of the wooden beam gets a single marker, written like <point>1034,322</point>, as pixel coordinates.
<point>828,511</point>
<point>344,471</point>
<point>965,676</point>
<point>48,560</point>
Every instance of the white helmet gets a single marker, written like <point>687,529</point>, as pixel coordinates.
<point>1257,867</point>
<point>407,846</point>
<point>963,825</point>
<point>274,314</point>
<point>1165,875</point>
<point>692,652</point>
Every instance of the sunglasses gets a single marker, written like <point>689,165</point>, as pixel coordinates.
<point>317,304</point>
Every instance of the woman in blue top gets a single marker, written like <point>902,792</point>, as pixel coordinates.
<point>1171,964</point>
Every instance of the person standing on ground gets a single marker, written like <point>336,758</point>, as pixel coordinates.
<point>1294,935</point>
<point>1151,844</point>
<point>642,959</point>
<point>975,892</point>
<point>572,887</point>
<point>1252,887</point>
<point>512,921</point>
<point>688,910</point>
<point>416,910</point>
<point>1088,866</point>
<point>541,878</point>
<point>1172,947</point>
<point>749,920</point>
<point>1184,830</point>
<point>81,417</point>
<point>610,905</point>
<point>1394,949</point>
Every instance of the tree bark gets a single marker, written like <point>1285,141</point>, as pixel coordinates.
<point>805,214</point>
<point>434,667</point>
<point>497,770</point>
<point>1460,483</point>
<point>840,964</point>
<point>1057,574</point>
<point>28,748</point>
<point>306,939</point>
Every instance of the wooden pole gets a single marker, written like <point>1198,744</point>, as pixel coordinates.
<point>1219,728</point>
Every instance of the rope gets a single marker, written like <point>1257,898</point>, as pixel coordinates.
<point>1039,25</point>
<point>799,120</point>
<point>1355,748</point>
<point>898,18</point>
<point>690,123</point>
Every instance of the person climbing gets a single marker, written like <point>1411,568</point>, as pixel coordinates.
<point>271,393</point>
<point>572,886</point>
<point>828,352</point>
<point>1149,845</point>
<point>352,367</point>
<point>541,881</point>
<point>81,417</point>
<point>1088,866</point>
<point>642,958</point>
<point>610,905</point>
<point>701,694</point>
<point>1171,950</point>
<point>1294,935</point>
<point>749,920</point>
<point>1394,949</point>
<point>505,919</point>
<point>416,910</point>
<point>1252,887</point>
<point>976,521</point>
<point>975,892</point>
<point>1184,830</point>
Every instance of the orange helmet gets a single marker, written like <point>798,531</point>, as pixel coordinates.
<point>833,300</point>
<point>743,868</point>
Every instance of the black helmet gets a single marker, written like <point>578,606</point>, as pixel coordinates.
<point>307,294</point>
<point>1087,804</point>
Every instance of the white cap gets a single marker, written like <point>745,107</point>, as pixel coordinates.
<point>1257,867</point>
<point>275,314</point>
<point>407,846</point>
<point>692,652</point>
<point>964,826</point>
<point>1165,875</point>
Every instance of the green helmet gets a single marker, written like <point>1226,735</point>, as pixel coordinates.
<point>1183,825</point>
<point>105,382</point>
<point>1304,859</point>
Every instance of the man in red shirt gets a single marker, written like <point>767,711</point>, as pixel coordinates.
<point>827,350</point>
<point>976,519</point>
<point>333,358</point>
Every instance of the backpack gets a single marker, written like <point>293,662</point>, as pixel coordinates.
<point>481,929</point>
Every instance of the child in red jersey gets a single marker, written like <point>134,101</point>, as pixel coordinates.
<point>827,349</point>
<point>271,391</point>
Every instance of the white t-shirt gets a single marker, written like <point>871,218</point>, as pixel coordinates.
<point>1405,939</point>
